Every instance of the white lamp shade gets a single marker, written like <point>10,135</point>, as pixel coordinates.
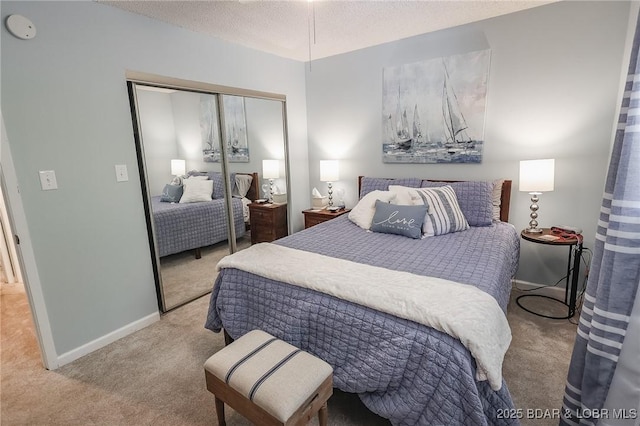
<point>270,169</point>
<point>329,171</point>
<point>537,175</point>
<point>178,167</point>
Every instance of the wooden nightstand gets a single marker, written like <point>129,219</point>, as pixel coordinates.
<point>268,222</point>
<point>314,217</point>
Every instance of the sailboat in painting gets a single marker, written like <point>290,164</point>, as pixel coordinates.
<point>455,126</point>
<point>417,128</point>
<point>233,142</point>
<point>211,150</point>
<point>398,128</point>
<point>402,137</point>
<point>236,129</point>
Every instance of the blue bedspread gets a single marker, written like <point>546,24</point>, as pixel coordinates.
<point>179,227</point>
<point>404,371</point>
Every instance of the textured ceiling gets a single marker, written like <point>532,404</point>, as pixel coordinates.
<point>286,28</point>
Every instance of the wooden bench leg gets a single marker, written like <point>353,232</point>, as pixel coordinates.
<point>227,339</point>
<point>323,415</point>
<point>220,412</point>
<point>198,253</point>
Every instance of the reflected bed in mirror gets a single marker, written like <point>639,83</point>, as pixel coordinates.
<point>192,237</point>
<point>182,225</point>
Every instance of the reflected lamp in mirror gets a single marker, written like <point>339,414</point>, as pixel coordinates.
<point>178,167</point>
<point>536,177</point>
<point>329,173</point>
<point>271,171</point>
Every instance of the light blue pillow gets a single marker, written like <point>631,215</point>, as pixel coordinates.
<point>171,193</point>
<point>369,184</point>
<point>474,197</point>
<point>401,220</point>
<point>218,183</point>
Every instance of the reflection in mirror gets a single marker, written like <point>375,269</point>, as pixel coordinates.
<point>265,129</point>
<point>183,140</point>
<point>266,133</point>
<point>187,204</point>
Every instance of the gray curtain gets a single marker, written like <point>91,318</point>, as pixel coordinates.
<point>614,276</point>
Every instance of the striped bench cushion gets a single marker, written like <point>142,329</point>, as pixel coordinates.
<point>273,374</point>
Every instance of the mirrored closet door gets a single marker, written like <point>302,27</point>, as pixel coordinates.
<point>200,154</point>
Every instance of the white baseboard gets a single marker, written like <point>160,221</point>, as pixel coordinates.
<point>552,291</point>
<point>103,341</point>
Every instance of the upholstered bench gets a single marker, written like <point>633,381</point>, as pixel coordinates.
<point>268,381</point>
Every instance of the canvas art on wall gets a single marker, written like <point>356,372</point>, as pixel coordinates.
<point>433,111</point>
<point>235,133</point>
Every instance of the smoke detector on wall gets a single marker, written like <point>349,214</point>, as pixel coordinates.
<point>21,27</point>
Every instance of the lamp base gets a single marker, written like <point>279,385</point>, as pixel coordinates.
<point>533,231</point>
<point>533,223</point>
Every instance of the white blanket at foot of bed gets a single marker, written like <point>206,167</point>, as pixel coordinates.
<point>460,310</point>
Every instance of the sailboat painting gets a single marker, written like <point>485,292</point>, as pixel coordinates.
<point>433,111</point>
<point>234,134</point>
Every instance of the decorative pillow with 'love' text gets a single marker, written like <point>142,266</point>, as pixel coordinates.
<point>401,220</point>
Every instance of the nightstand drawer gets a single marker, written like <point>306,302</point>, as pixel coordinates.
<point>261,222</point>
<point>268,222</point>
<point>313,220</point>
<point>261,215</point>
<point>263,235</point>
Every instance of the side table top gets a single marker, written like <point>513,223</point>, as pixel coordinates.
<point>325,212</point>
<point>549,237</point>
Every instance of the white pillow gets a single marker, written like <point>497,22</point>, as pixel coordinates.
<point>204,177</point>
<point>444,214</point>
<point>405,196</point>
<point>362,213</point>
<point>196,190</point>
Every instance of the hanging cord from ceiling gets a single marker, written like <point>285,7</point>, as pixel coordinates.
<point>311,26</point>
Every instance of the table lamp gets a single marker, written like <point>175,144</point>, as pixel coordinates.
<point>271,171</point>
<point>178,167</point>
<point>536,177</point>
<point>329,173</point>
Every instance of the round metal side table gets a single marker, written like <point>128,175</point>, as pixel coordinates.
<point>574,242</point>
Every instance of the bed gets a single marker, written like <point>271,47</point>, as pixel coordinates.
<point>190,226</point>
<point>403,370</point>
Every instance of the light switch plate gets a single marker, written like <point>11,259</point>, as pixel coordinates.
<point>121,173</point>
<point>48,180</point>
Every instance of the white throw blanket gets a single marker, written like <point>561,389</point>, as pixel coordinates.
<point>462,311</point>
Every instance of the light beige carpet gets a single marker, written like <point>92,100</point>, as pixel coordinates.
<point>537,361</point>
<point>155,375</point>
<point>185,278</point>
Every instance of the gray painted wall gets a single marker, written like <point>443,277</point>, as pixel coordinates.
<point>65,107</point>
<point>552,93</point>
<point>158,131</point>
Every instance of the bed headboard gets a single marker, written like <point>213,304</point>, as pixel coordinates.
<point>254,191</point>
<point>505,196</point>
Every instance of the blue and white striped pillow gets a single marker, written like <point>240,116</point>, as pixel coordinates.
<point>444,214</point>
